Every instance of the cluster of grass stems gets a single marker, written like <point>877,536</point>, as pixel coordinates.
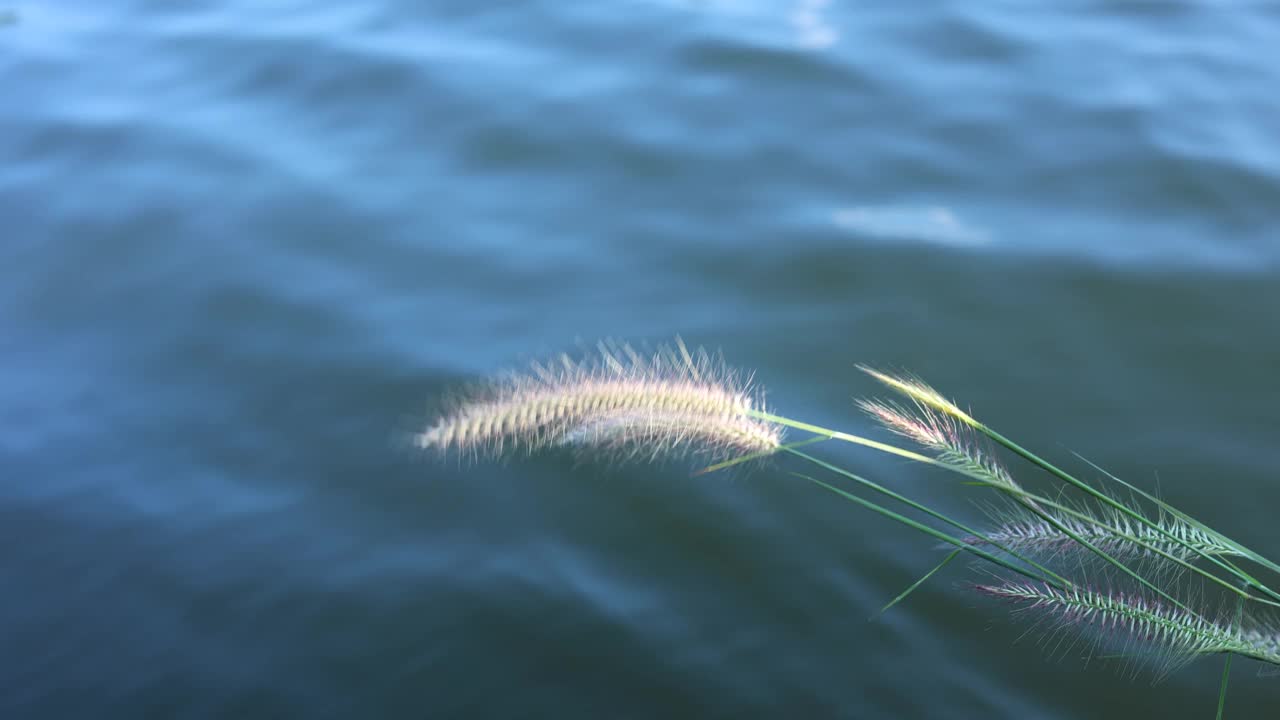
<point>1101,560</point>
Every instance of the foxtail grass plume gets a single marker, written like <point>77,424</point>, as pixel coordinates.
<point>670,401</point>
<point>921,393</point>
<point>1119,535</point>
<point>953,441</point>
<point>1174,634</point>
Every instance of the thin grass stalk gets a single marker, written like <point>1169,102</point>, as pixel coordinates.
<point>912,588</point>
<point>1222,687</point>
<point>837,435</point>
<point>932,532</point>
<point>1226,666</point>
<point>1047,573</point>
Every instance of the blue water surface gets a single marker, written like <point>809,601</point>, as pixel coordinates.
<point>247,248</point>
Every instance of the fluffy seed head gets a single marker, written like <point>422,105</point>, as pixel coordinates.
<point>921,393</point>
<point>668,401</point>
<point>1117,534</point>
<point>954,442</point>
<point>922,428</point>
<point>1177,634</point>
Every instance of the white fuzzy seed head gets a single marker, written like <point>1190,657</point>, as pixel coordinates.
<point>667,402</point>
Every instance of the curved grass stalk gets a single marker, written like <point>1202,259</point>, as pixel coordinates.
<point>846,437</point>
<point>1226,666</point>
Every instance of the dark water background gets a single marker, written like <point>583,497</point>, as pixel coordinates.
<point>244,246</point>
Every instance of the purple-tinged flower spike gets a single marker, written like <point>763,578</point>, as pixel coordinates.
<point>1178,633</point>
<point>954,444</point>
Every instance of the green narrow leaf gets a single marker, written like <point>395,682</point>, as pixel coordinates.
<point>1045,573</point>
<point>1222,691</point>
<point>1052,580</point>
<point>1221,562</point>
<point>1226,667</point>
<point>920,582</point>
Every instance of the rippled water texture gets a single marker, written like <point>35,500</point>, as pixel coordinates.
<point>246,247</point>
